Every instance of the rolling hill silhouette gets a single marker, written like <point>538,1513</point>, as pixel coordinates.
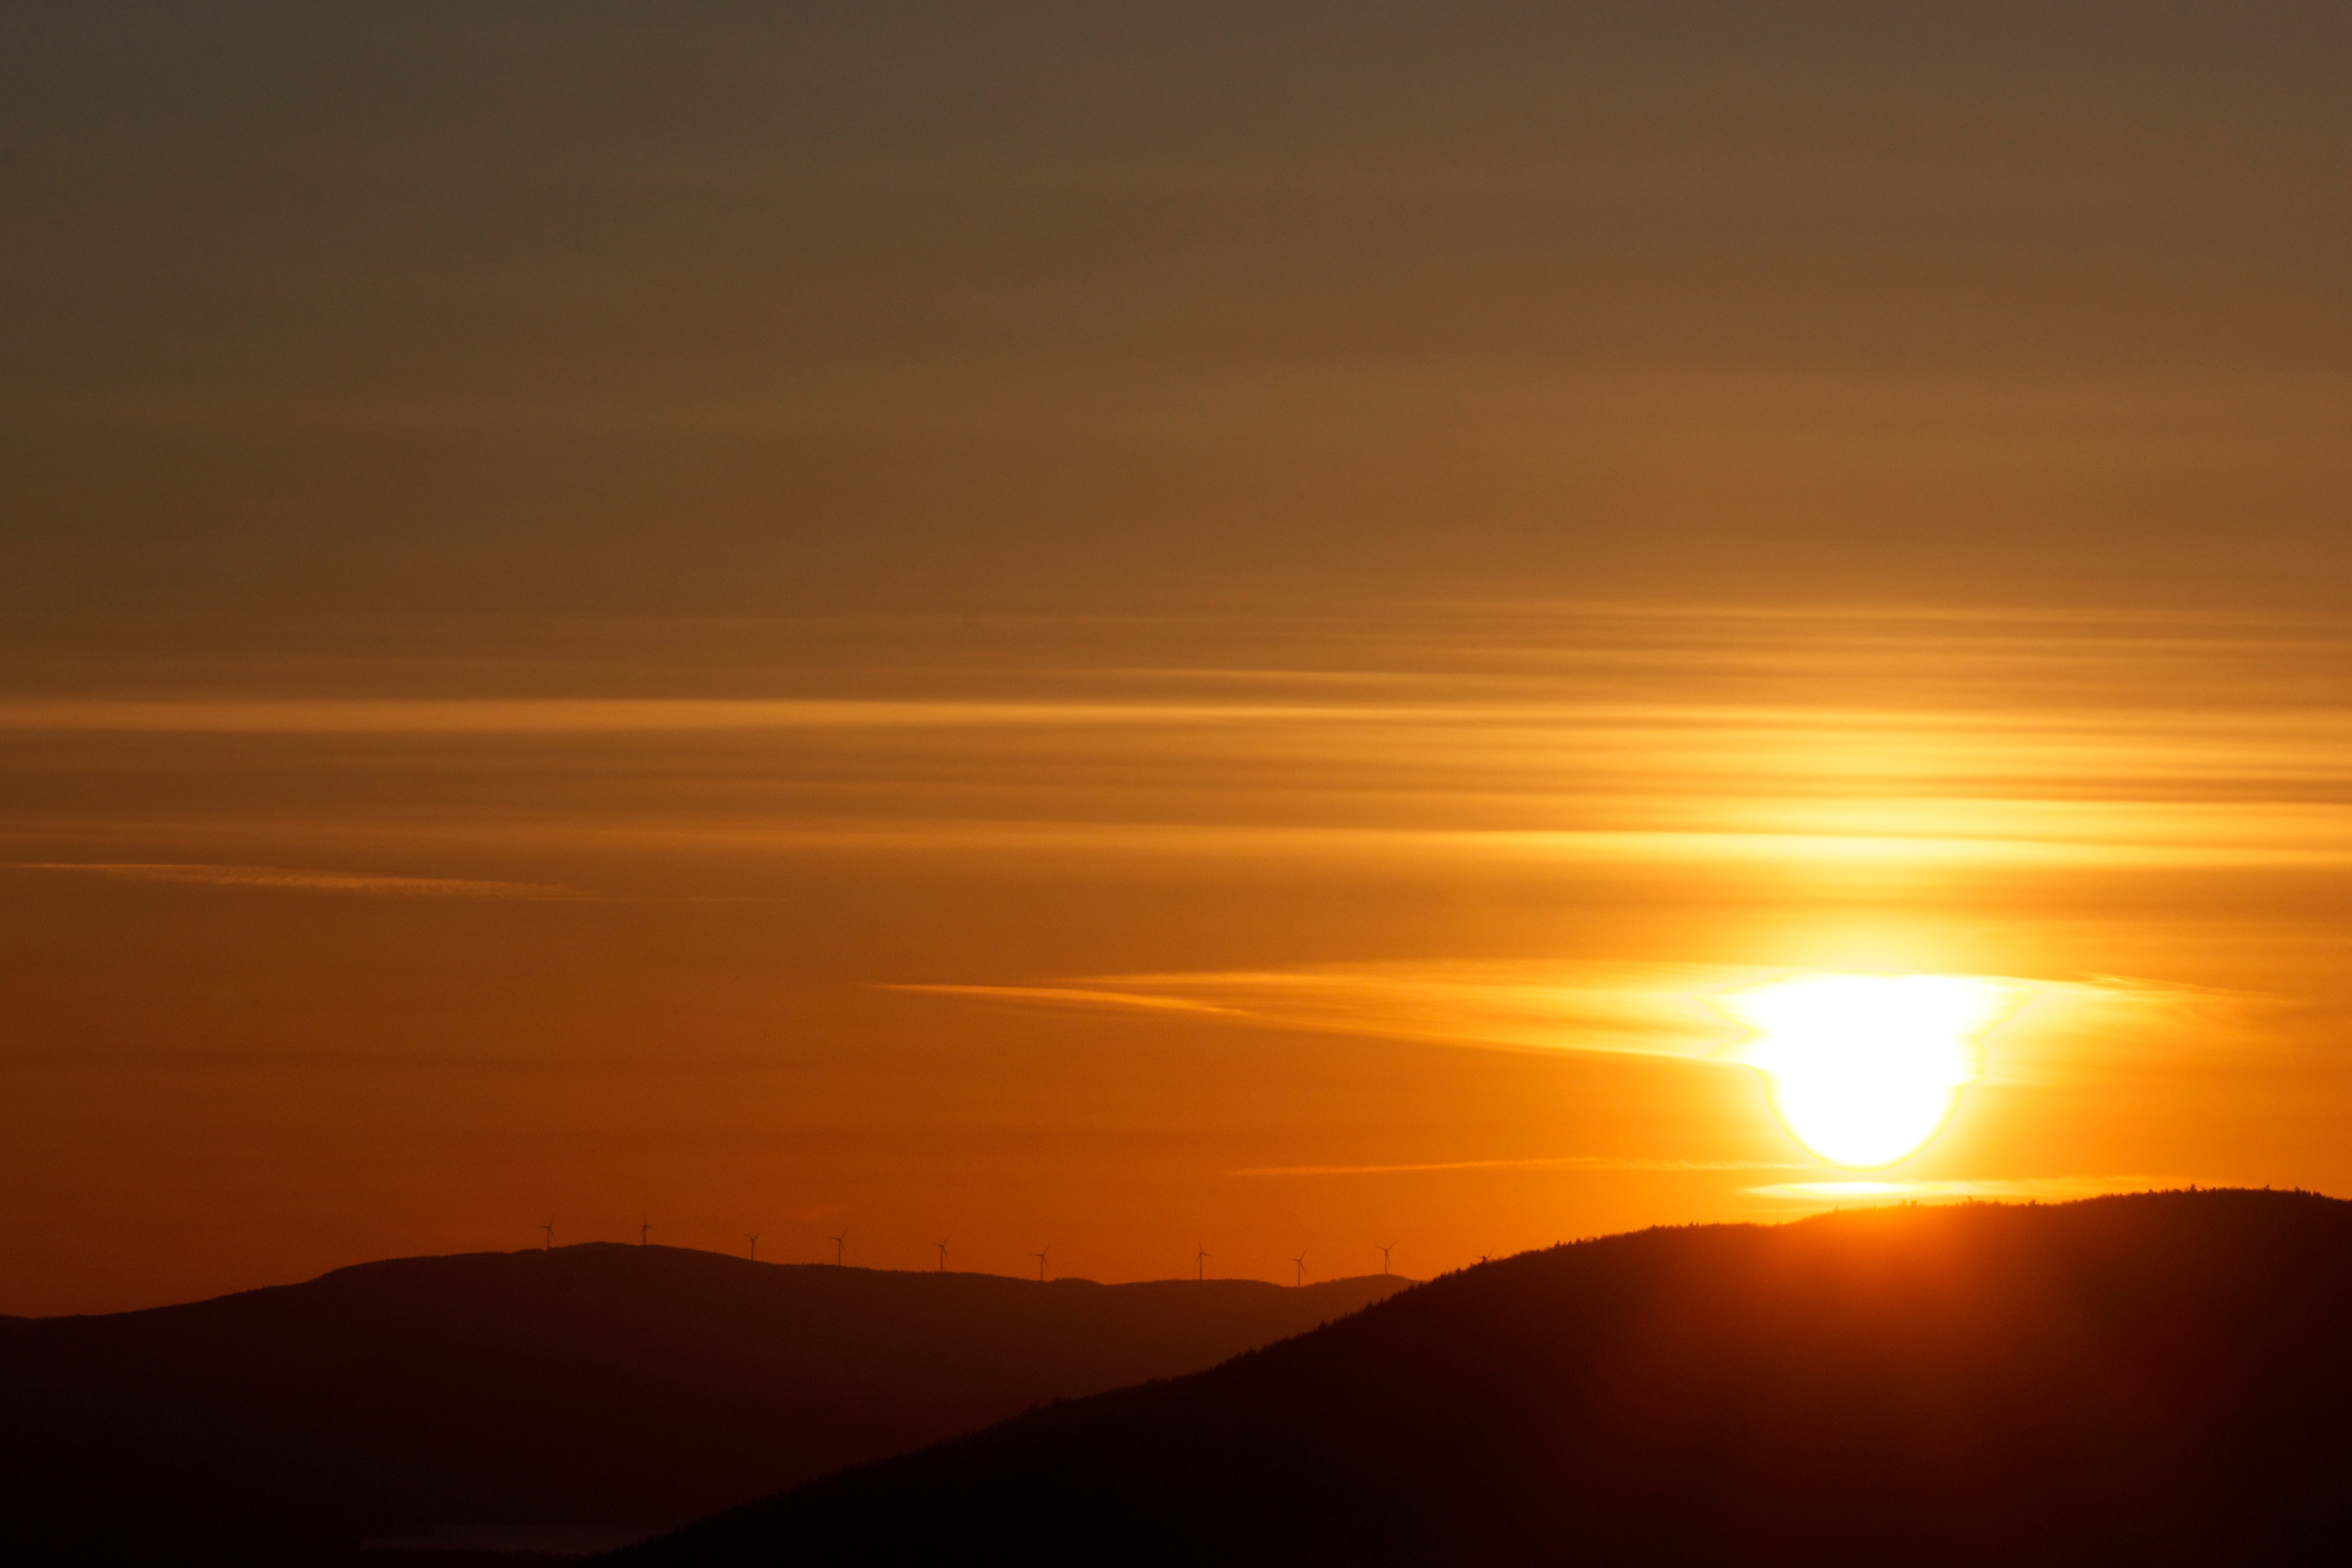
<point>2155,1379</point>
<point>593,1384</point>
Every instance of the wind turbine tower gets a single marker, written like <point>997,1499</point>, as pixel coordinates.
<point>943,1255</point>
<point>549,1228</point>
<point>840,1248</point>
<point>1040,1257</point>
<point>1299,1263</point>
<point>1384,1255</point>
<point>753,1238</point>
<point>1200,1261</point>
<point>645,1228</point>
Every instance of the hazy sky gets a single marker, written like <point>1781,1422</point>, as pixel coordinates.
<point>1137,627</point>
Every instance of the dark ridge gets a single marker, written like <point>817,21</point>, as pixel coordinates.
<point>2164,1378</point>
<point>599,1385</point>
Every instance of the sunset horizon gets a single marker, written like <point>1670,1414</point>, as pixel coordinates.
<point>1530,881</point>
<point>1512,648</point>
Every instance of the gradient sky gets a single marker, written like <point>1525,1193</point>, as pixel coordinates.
<point>1143,626</point>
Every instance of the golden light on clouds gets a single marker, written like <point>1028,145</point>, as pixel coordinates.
<point>1510,897</point>
<point>1861,1072</point>
<point>2029,1189</point>
<point>1869,746</point>
<point>728,614</point>
<point>1805,1030</point>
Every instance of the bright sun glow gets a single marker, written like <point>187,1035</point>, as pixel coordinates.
<point>1864,1069</point>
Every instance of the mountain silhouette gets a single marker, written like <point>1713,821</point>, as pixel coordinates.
<point>2164,1378</point>
<point>590,1386</point>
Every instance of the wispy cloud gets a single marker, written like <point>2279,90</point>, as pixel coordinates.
<point>1650,1009</point>
<point>1881,747</point>
<point>296,879</point>
<point>1657,1009</point>
<point>1072,997</point>
<point>1552,1163</point>
<point>587,716</point>
<point>2054,1188</point>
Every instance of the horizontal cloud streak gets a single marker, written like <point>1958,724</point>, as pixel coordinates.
<point>1068,996</point>
<point>305,881</point>
<point>2054,1189</point>
<point>2049,1027</point>
<point>591,716</point>
<point>1557,1162</point>
<point>1183,848</point>
<point>1558,736</point>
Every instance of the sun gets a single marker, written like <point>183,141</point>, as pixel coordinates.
<point>1864,1069</point>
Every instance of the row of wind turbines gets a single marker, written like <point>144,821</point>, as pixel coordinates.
<point>1201,1254</point>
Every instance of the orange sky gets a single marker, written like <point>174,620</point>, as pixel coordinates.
<point>1201,628</point>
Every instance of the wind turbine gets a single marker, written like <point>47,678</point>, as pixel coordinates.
<point>1040,1257</point>
<point>753,1238</point>
<point>840,1247</point>
<point>1384,1255</point>
<point>643,1229</point>
<point>549,1228</point>
<point>1299,1263</point>
<point>1200,1261</point>
<point>943,1255</point>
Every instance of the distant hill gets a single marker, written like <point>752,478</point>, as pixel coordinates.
<point>590,1385</point>
<point>2155,1379</point>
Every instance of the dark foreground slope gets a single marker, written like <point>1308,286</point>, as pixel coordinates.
<point>2164,1378</point>
<point>595,1385</point>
